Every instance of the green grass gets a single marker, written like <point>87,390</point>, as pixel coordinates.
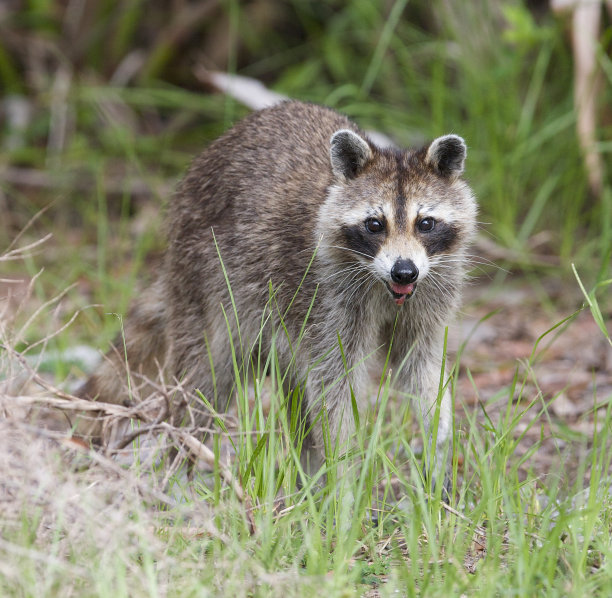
<point>508,530</point>
<point>414,70</point>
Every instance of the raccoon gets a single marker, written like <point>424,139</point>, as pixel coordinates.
<point>344,250</point>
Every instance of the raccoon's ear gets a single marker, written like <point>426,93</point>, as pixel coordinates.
<point>349,153</point>
<point>447,155</point>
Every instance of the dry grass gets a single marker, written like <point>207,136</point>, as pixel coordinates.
<point>72,516</point>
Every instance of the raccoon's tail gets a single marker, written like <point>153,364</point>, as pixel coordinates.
<point>135,357</point>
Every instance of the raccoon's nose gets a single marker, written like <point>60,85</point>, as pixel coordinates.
<point>404,272</point>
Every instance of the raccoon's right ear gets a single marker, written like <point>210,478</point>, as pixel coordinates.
<point>349,153</point>
<point>447,155</point>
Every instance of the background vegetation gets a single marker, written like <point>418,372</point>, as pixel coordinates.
<point>104,104</point>
<point>103,100</point>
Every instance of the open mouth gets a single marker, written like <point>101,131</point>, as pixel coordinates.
<point>400,292</point>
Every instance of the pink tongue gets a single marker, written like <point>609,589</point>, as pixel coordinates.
<point>402,289</point>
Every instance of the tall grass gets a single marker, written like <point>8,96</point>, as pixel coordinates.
<point>507,530</point>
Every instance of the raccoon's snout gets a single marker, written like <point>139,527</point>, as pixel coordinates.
<point>404,272</point>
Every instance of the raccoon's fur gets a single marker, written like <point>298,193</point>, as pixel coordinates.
<point>313,225</point>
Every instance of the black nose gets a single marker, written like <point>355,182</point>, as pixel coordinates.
<point>404,272</point>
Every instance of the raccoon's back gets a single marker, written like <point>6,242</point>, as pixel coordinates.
<point>272,165</point>
<point>258,188</point>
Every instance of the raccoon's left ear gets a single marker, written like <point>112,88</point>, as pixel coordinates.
<point>349,153</point>
<point>447,155</point>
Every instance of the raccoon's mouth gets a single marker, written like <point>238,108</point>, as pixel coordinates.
<point>399,292</point>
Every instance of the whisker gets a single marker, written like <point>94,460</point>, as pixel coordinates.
<point>371,282</point>
<point>370,278</point>
<point>437,280</point>
<point>468,261</point>
<point>441,292</point>
<point>352,269</point>
<point>354,290</point>
<point>348,249</point>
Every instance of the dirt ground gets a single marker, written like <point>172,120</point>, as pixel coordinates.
<point>509,330</point>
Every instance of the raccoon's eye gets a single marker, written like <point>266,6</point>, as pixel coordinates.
<point>374,225</point>
<point>426,225</point>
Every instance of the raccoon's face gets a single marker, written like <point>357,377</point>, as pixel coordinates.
<point>398,217</point>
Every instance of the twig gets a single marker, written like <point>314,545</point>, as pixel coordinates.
<point>26,227</point>
<point>39,310</point>
<point>55,333</point>
<point>40,179</point>
<point>68,403</point>
<point>202,452</point>
<point>19,253</point>
<point>481,531</point>
<point>102,461</point>
<point>129,438</point>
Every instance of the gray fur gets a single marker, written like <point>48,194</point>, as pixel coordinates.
<point>276,189</point>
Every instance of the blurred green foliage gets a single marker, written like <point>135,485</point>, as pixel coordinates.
<point>108,93</point>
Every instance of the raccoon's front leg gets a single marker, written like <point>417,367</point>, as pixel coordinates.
<point>439,437</point>
<point>330,417</point>
<point>419,378</point>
